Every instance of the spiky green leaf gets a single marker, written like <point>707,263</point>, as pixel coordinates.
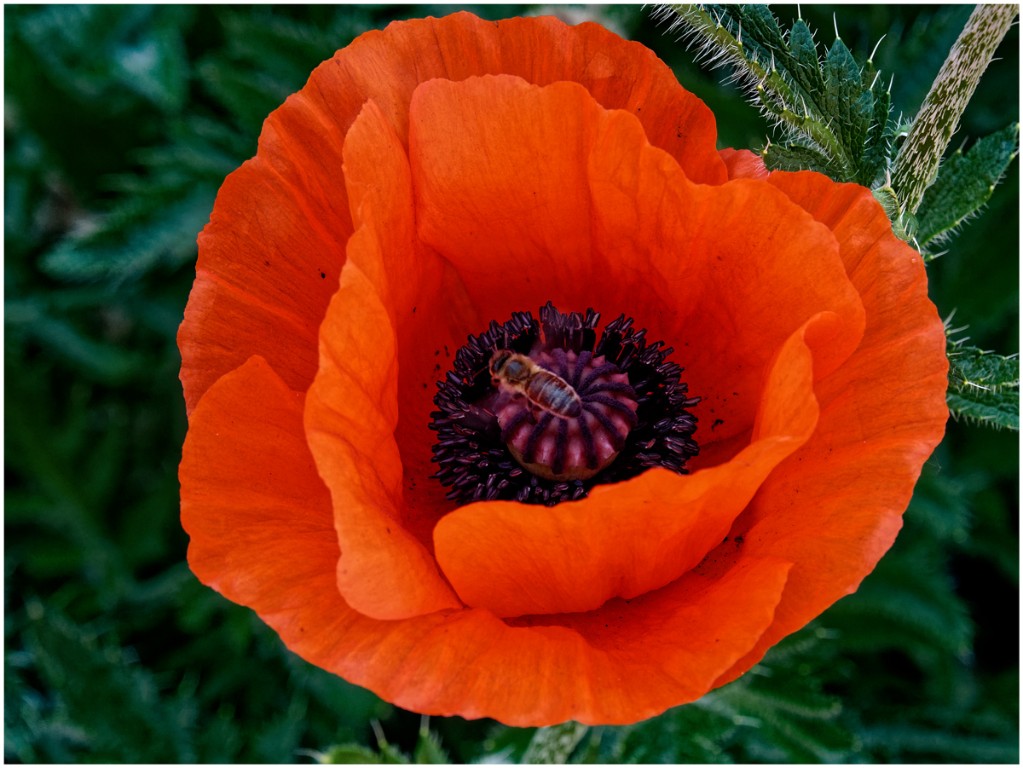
<point>385,753</point>
<point>793,157</point>
<point>983,387</point>
<point>351,754</point>
<point>834,114</point>
<point>880,135</point>
<point>965,183</point>
<point>847,105</point>
<point>805,66</point>
<point>428,750</point>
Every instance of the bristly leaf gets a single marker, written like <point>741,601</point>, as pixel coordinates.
<point>879,141</point>
<point>965,184</point>
<point>793,157</point>
<point>805,63</point>
<point>983,387</point>
<point>835,115</point>
<point>428,749</point>
<point>554,744</point>
<point>846,102</point>
<point>354,754</point>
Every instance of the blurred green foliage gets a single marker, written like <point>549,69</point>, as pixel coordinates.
<point>120,124</point>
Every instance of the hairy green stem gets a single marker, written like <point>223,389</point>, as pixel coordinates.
<point>918,160</point>
<point>553,745</point>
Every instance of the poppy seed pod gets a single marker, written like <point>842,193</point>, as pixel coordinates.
<point>351,419</point>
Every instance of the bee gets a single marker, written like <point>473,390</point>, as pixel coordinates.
<point>545,390</point>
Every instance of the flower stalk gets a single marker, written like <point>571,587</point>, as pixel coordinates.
<point>917,163</point>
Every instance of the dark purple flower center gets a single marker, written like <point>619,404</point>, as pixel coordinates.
<point>541,412</point>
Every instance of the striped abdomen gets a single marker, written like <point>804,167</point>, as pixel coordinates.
<point>552,393</point>
<point>542,388</point>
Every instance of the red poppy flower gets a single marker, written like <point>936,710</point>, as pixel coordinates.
<point>446,173</point>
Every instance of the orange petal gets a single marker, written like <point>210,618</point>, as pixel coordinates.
<point>505,197</point>
<point>269,258</point>
<point>256,510</point>
<point>743,164</point>
<point>723,274</point>
<point>421,292</point>
<point>882,414</point>
<point>387,67</point>
<point>374,456</point>
<point>619,664</point>
<point>351,414</point>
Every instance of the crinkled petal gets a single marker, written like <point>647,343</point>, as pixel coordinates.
<point>351,414</point>
<point>882,414</point>
<point>743,164</point>
<point>421,293</point>
<point>388,66</point>
<point>270,256</point>
<point>256,511</point>
<point>389,316</point>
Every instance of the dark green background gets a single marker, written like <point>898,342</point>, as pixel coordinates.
<point>120,124</point>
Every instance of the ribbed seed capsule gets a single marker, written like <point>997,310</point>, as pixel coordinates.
<point>563,415</point>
